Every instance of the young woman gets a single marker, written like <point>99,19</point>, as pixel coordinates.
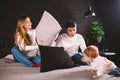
<point>26,50</point>
<point>72,41</point>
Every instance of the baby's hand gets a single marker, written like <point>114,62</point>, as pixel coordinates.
<point>90,70</point>
<point>95,76</point>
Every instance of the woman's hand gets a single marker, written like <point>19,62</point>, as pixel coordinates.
<point>42,43</point>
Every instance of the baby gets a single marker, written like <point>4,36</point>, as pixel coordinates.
<point>98,63</point>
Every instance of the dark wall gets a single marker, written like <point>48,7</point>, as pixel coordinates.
<point>108,12</point>
<point>62,10</point>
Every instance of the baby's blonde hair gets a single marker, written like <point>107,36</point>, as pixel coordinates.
<point>91,51</point>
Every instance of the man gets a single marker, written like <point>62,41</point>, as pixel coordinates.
<point>71,42</point>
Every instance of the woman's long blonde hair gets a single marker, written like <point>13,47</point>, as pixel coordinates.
<point>20,30</point>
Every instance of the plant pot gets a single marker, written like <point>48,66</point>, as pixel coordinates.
<point>99,39</point>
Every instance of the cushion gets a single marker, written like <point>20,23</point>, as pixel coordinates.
<point>48,29</point>
<point>53,58</point>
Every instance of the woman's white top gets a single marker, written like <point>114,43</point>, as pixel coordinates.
<point>71,44</point>
<point>30,50</point>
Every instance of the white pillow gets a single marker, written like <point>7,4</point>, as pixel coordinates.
<point>48,29</point>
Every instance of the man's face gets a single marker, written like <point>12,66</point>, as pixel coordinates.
<point>71,31</point>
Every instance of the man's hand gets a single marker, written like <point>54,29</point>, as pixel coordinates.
<point>85,59</point>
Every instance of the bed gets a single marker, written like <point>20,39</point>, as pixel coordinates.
<point>17,71</point>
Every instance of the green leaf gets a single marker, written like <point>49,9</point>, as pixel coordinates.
<point>97,29</point>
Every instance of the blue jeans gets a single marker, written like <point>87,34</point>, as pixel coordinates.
<point>77,59</point>
<point>19,57</point>
<point>115,72</point>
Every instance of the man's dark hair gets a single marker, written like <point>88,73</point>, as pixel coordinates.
<point>70,24</point>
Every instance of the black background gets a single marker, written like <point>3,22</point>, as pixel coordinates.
<point>107,11</point>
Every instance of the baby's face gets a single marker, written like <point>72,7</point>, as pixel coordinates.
<point>86,59</point>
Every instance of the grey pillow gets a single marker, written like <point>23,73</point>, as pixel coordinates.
<point>53,58</point>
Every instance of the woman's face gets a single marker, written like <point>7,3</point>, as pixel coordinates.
<point>27,24</point>
<point>71,31</point>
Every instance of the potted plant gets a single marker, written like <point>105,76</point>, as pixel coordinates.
<point>97,31</point>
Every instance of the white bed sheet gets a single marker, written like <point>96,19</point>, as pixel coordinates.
<point>17,71</point>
